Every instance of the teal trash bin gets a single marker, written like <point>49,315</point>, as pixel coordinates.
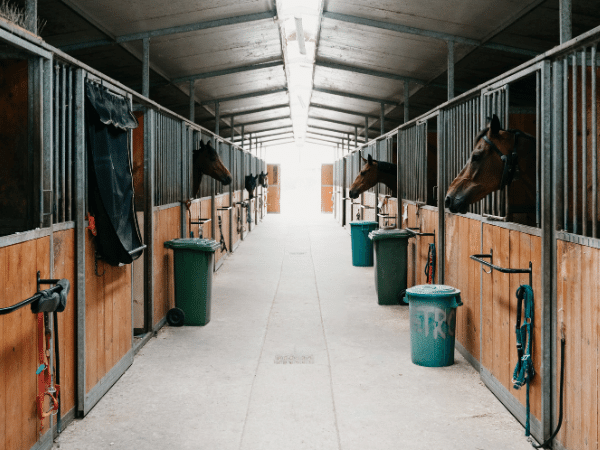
<point>390,255</point>
<point>432,313</point>
<point>194,262</point>
<point>362,247</point>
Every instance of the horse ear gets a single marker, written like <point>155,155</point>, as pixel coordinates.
<point>370,159</point>
<point>494,125</point>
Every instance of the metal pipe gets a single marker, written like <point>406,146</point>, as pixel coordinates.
<point>192,90</point>
<point>55,148</point>
<point>594,148</point>
<point>450,70</point>
<point>70,146</point>
<point>565,142</point>
<point>574,150</point>
<point>565,20</point>
<point>406,99</point>
<point>31,15</point>
<point>217,118</point>
<point>242,144</point>
<point>382,120</point>
<point>441,193</point>
<point>146,67</point>
<point>356,136</point>
<point>232,129</point>
<point>584,167</point>
<point>63,142</point>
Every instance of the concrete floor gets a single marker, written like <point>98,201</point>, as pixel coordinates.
<point>298,355</point>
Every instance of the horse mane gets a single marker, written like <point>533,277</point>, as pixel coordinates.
<point>386,167</point>
<point>510,130</point>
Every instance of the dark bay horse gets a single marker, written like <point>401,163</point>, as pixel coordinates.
<point>206,161</point>
<point>374,172</point>
<point>500,158</point>
<point>263,180</point>
<point>250,184</point>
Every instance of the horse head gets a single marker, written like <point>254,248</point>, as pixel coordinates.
<point>493,165</point>
<point>250,184</point>
<point>262,180</point>
<point>206,161</point>
<point>371,173</point>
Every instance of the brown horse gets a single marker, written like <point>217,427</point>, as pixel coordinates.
<point>499,157</point>
<point>206,161</point>
<point>374,172</point>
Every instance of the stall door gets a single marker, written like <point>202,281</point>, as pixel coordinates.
<point>327,188</point>
<point>274,194</point>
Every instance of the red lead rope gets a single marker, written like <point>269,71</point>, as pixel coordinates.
<point>43,374</point>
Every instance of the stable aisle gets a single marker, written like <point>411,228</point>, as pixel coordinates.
<point>298,355</point>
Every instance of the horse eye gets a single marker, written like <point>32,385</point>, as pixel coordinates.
<point>475,156</point>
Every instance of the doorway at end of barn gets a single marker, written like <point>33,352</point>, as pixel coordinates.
<point>300,182</point>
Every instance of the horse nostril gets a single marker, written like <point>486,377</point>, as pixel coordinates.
<point>448,201</point>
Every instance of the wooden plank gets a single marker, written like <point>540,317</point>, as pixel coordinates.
<point>589,401</point>
<point>502,308</point>
<point>561,277</point>
<point>514,283</point>
<point>68,340</point>
<point>93,294</point>
<point>110,298</point>
<point>536,385</point>
<point>596,331</point>
<point>487,327</point>
<point>474,324</point>
<point>326,174</point>
<point>4,347</point>
<point>462,276</point>
<point>13,361</point>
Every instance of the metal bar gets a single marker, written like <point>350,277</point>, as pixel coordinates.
<point>243,96</point>
<point>584,167</point>
<point>300,35</point>
<point>373,73</point>
<point>422,32</point>
<point>70,146</point>
<point>354,96</point>
<point>441,127</point>
<point>55,148</point>
<point>149,189</point>
<point>220,73</point>
<point>242,137</point>
<point>272,119</point>
<point>217,118</point>
<point>314,127</point>
<point>479,259</point>
<point>254,111</point>
<point>574,149</point>
<point>238,139</point>
<point>80,210</point>
<point>565,143</point>
<point>146,67</point>
<point>450,70</point>
<point>192,89</point>
<point>382,120</point>
<point>352,125</point>
<point>63,143</point>
<point>594,148</point>
<point>406,101</point>
<point>565,20</point>
<point>31,15</point>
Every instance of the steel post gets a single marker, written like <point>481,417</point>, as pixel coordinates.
<point>192,101</point>
<point>450,70</point>
<point>406,104</point>
<point>565,20</point>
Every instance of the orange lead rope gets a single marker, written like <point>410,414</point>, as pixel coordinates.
<point>45,387</point>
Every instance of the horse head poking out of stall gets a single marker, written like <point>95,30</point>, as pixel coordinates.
<point>263,180</point>
<point>499,157</point>
<point>206,161</point>
<point>374,172</point>
<point>250,184</point>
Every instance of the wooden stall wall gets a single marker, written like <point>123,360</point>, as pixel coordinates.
<point>64,267</point>
<point>108,321</point>
<point>274,190</point>
<point>167,226</point>
<point>237,218</point>
<point>199,209</point>
<point>327,188</point>
<point>222,201</point>
<point>463,239</point>
<point>19,263</point>
<point>369,210</point>
<point>391,208</point>
<point>578,310</point>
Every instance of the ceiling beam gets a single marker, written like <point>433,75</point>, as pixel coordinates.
<point>219,73</point>
<point>355,96</point>
<point>256,122</point>
<point>242,96</point>
<point>373,73</point>
<point>345,135</point>
<point>276,139</point>
<point>255,111</point>
<point>246,136</point>
<point>323,137</point>
<point>427,33</point>
<point>317,141</point>
<point>272,136</point>
<point>173,30</point>
<point>362,127</point>
<point>279,142</point>
<point>343,111</point>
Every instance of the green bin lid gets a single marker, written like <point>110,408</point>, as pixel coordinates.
<point>363,223</point>
<point>393,233</point>
<point>194,244</point>
<point>435,292</point>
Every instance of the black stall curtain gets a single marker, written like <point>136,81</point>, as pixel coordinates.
<point>110,187</point>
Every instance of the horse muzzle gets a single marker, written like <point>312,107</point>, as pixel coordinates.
<point>457,204</point>
<point>226,180</point>
<point>353,194</point>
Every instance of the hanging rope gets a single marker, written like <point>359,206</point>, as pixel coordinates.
<point>430,266</point>
<point>524,372</point>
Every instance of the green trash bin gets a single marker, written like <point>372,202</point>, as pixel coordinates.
<point>194,261</point>
<point>362,247</point>
<point>432,313</point>
<point>390,250</point>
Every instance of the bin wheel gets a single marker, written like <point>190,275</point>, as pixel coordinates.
<point>175,317</point>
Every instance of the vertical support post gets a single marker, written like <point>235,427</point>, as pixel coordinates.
<point>192,101</point>
<point>146,67</point>
<point>231,157</point>
<point>47,140</point>
<point>184,179</point>
<point>31,15</point>
<point>450,70</point>
<point>232,130</point>
<point>382,120</point>
<point>149,180</point>
<point>548,296</point>
<point>366,131</point>
<point>399,183</point>
<point>217,119</point>
<point>565,20</point>
<point>355,136</point>
<point>441,250</point>
<point>406,104</point>
<point>80,210</point>
<point>243,137</point>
